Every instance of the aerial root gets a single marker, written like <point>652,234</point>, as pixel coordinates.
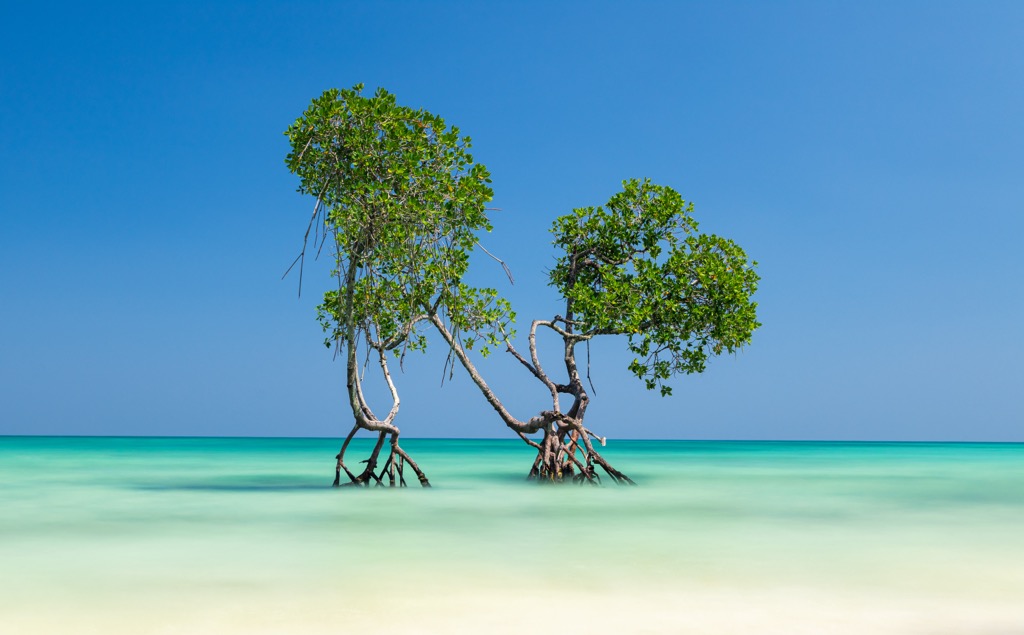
<point>392,471</point>
<point>573,462</point>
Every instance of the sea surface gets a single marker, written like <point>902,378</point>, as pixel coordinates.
<point>218,535</point>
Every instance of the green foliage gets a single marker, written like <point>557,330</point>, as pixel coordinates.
<point>401,201</point>
<point>482,315</point>
<point>638,267</point>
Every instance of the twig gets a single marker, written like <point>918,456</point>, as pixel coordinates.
<point>508,272</point>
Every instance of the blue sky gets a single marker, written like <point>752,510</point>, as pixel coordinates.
<point>868,155</point>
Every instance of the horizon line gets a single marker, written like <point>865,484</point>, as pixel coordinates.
<point>511,440</point>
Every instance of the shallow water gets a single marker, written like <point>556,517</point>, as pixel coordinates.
<point>147,535</point>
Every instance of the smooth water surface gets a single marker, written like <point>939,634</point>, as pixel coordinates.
<point>171,535</point>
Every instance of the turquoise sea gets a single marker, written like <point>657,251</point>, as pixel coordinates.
<point>215,535</point>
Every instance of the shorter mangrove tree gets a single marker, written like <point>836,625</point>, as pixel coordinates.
<point>636,268</point>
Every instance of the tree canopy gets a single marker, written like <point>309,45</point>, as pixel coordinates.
<point>401,199</point>
<point>638,267</point>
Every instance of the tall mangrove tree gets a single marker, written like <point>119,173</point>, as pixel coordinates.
<point>398,201</point>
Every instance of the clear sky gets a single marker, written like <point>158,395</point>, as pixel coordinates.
<point>869,155</point>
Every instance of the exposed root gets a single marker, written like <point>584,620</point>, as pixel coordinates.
<point>393,469</point>
<point>566,454</point>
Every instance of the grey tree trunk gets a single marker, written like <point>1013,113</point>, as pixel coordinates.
<point>397,459</point>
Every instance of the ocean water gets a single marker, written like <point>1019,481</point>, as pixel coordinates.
<point>172,535</point>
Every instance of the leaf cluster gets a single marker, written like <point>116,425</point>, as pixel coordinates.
<point>639,267</point>
<point>400,200</point>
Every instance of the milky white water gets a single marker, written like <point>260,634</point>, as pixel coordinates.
<point>101,535</point>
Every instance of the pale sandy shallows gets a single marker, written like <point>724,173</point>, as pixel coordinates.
<point>131,536</point>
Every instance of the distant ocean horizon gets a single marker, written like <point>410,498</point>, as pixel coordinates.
<point>244,534</point>
<point>518,441</point>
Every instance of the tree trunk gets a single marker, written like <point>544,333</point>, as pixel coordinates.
<point>397,459</point>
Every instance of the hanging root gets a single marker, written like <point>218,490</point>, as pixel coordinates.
<point>393,469</point>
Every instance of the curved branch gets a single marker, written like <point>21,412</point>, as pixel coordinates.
<point>576,337</point>
<point>534,424</point>
<point>399,338</point>
<point>536,364</point>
